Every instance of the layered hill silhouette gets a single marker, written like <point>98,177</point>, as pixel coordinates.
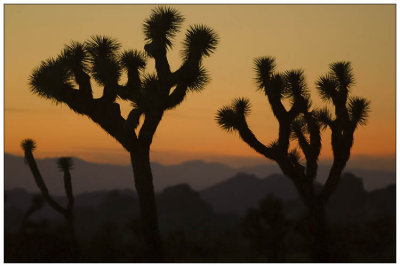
<point>91,177</point>
<point>181,207</point>
<point>237,194</point>
<point>209,222</point>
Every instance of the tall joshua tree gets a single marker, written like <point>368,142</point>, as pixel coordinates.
<point>65,165</point>
<point>67,79</point>
<point>303,124</point>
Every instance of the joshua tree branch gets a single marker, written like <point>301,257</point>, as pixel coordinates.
<point>149,127</point>
<point>284,136</point>
<point>134,82</point>
<point>107,115</point>
<point>133,119</point>
<point>333,180</point>
<point>177,96</point>
<point>40,183</point>
<point>162,67</point>
<point>190,65</point>
<point>341,112</point>
<point>315,146</point>
<point>277,107</point>
<point>310,154</point>
<point>83,81</point>
<point>68,189</point>
<point>247,135</point>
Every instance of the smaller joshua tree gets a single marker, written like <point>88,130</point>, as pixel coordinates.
<point>302,124</point>
<point>65,165</point>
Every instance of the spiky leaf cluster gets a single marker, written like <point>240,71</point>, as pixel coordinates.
<point>133,59</point>
<point>196,78</point>
<point>65,163</point>
<point>200,40</point>
<point>343,73</point>
<point>162,26</point>
<point>106,69</point>
<point>324,117</point>
<point>327,87</point>
<point>50,79</point>
<point>335,85</point>
<point>76,57</point>
<point>358,109</point>
<point>295,85</point>
<point>290,84</point>
<point>264,67</point>
<point>28,145</point>
<point>230,117</point>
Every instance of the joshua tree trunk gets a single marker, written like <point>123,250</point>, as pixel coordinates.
<point>75,251</point>
<point>147,202</point>
<point>319,232</point>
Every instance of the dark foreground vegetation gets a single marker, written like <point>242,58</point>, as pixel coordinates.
<point>108,227</point>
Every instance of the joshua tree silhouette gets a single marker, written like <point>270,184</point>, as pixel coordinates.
<point>66,79</point>
<point>304,125</point>
<point>65,165</point>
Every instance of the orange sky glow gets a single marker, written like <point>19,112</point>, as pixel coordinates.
<point>309,37</point>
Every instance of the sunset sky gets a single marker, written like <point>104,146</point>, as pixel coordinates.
<point>298,36</point>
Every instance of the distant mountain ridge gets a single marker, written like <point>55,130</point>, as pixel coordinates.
<point>350,202</point>
<point>242,191</point>
<point>180,206</point>
<point>89,177</point>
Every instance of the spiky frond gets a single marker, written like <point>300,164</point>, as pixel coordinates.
<point>227,118</point>
<point>50,79</point>
<point>295,85</point>
<point>65,163</point>
<point>103,56</point>
<point>198,79</point>
<point>133,59</point>
<point>324,116</point>
<point>327,87</point>
<point>264,67</point>
<point>241,106</point>
<point>298,127</point>
<point>276,86</point>
<point>162,26</point>
<point>76,57</point>
<point>343,73</point>
<point>28,145</point>
<point>359,109</point>
<point>199,40</point>
<point>102,46</point>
